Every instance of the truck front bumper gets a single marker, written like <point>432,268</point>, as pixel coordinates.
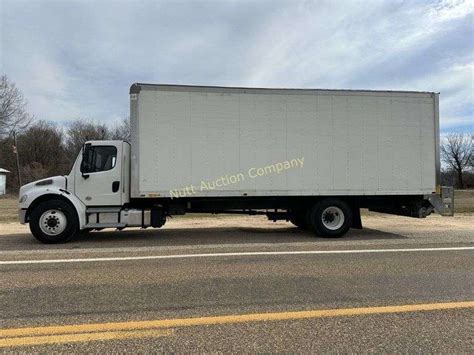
<point>22,215</point>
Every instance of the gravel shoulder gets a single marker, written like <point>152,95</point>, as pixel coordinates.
<point>233,233</point>
<point>382,222</point>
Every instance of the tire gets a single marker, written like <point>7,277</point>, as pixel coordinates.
<point>54,221</point>
<point>330,218</point>
<point>299,220</point>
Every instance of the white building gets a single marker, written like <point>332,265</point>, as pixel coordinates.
<point>3,181</point>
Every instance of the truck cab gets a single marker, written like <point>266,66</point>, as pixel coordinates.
<point>99,182</point>
<point>101,174</point>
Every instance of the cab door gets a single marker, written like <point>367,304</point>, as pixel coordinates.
<point>98,182</point>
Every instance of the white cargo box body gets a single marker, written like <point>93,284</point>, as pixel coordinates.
<point>351,142</point>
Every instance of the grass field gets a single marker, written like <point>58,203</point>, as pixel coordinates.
<point>463,202</point>
<point>8,208</point>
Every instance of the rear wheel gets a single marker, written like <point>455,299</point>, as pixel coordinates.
<point>53,221</point>
<point>330,218</point>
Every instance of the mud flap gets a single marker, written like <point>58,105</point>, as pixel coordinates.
<point>356,219</point>
<point>157,218</point>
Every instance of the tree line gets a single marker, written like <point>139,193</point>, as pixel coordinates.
<point>457,153</point>
<point>44,149</point>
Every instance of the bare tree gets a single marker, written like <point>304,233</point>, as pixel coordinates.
<point>42,154</point>
<point>13,114</point>
<point>456,152</point>
<point>42,147</point>
<point>121,131</point>
<point>81,131</point>
<point>48,150</point>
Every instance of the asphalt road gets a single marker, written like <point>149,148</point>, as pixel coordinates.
<point>238,289</point>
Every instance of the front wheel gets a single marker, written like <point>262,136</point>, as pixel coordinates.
<point>53,221</point>
<point>330,218</point>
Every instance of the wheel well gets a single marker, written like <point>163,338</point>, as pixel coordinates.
<point>47,197</point>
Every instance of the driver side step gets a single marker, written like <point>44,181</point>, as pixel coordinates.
<point>106,225</point>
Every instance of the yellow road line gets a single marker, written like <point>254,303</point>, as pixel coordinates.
<point>83,337</point>
<point>22,334</point>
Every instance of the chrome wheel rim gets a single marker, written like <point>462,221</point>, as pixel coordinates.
<point>53,222</point>
<point>332,218</point>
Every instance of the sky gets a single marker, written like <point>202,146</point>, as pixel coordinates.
<point>77,58</point>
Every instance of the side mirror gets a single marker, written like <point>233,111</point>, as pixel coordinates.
<point>86,163</point>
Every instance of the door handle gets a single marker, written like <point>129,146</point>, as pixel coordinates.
<point>115,186</point>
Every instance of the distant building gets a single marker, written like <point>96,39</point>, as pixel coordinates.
<point>3,181</point>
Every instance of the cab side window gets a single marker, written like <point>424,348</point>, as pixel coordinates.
<point>98,158</point>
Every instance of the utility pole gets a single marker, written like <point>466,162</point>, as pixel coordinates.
<point>15,150</point>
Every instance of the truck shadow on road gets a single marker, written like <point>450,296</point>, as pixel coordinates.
<point>195,236</point>
<point>227,235</point>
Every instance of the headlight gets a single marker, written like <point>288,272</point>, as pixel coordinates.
<point>23,198</point>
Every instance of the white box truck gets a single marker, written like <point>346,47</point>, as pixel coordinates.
<point>312,157</point>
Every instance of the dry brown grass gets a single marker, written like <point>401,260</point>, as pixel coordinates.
<point>8,208</point>
<point>464,201</point>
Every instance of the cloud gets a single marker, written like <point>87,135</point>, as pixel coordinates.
<point>78,58</point>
